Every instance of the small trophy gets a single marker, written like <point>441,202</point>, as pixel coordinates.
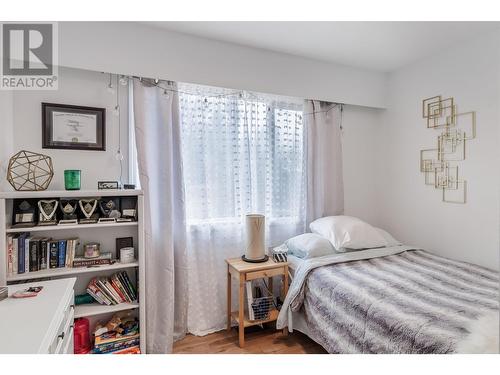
<point>109,209</point>
<point>88,207</point>
<point>24,213</point>
<point>128,207</point>
<point>68,208</point>
<point>47,212</point>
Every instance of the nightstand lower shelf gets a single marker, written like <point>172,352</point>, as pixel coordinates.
<point>273,315</point>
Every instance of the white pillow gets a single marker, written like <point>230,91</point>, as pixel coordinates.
<point>391,241</point>
<point>346,232</point>
<point>309,245</point>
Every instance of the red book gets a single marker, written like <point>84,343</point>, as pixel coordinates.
<point>117,289</point>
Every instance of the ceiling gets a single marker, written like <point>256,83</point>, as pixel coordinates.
<point>378,46</point>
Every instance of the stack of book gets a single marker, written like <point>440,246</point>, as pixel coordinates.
<point>119,336</point>
<point>113,343</point>
<point>26,253</point>
<point>112,290</point>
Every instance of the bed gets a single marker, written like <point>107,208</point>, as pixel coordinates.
<point>393,300</point>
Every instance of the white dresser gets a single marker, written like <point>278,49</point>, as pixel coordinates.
<point>41,324</point>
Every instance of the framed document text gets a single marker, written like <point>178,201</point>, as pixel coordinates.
<point>73,127</point>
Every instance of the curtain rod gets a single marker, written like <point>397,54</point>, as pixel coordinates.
<point>155,82</point>
<point>334,105</point>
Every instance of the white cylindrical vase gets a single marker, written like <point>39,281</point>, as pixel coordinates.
<point>256,237</point>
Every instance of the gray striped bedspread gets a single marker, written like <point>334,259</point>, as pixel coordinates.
<point>405,302</point>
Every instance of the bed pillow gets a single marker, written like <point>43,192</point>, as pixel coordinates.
<point>391,241</point>
<point>346,232</point>
<point>309,245</point>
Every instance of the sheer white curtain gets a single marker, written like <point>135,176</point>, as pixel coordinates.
<point>325,187</point>
<point>241,154</point>
<point>158,139</point>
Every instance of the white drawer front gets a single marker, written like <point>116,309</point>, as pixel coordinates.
<point>65,326</point>
<point>68,346</point>
<point>65,335</point>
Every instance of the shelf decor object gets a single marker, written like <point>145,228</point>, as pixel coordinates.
<point>440,163</point>
<point>88,209</point>
<point>72,179</point>
<point>47,209</point>
<point>30,171</point>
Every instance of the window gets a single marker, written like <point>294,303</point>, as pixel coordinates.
<point>241,153</point>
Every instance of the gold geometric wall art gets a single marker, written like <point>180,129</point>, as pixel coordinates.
<point>438,112</point>
<point>440,164</point>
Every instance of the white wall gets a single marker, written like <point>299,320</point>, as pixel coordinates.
<point>412,211</point>
<point>361,127</point>
<point>76,87</point>
<point>6,135</point>
<point>138,49</point>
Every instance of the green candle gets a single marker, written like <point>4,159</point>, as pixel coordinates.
<point>72,179</point>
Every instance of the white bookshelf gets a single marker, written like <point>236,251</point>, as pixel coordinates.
<point>103,233</point>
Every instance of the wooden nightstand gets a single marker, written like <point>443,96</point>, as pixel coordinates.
<point>244,272</point>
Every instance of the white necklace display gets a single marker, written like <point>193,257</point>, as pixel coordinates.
<point>42,204</point>
<point>88,213</point>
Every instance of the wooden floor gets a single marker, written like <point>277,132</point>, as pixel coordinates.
<point>257,341</point>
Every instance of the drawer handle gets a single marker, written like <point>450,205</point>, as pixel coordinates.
<point>72,306</point>
<point>61,336</point>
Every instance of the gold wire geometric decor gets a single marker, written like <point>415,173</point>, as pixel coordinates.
<point>440,164</point>
<point>30,171</point>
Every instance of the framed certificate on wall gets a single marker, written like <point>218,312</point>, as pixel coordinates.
<point>73,127</point>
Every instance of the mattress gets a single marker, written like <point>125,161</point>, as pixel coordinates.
<point>394,301</point>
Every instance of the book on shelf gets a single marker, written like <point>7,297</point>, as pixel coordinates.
<point>33,255</point>
<point>112,290</point>
<point>130,350</point>
<point>44,253</point>
<point>104,258</point>
<point>10,254</point>
<point>27,254</point>
<point>15,264</point>
<point>113,338</point>
<point>20,253</point>
<point>53,254</point>
<point>61,254</point>
<point>71,248</point>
